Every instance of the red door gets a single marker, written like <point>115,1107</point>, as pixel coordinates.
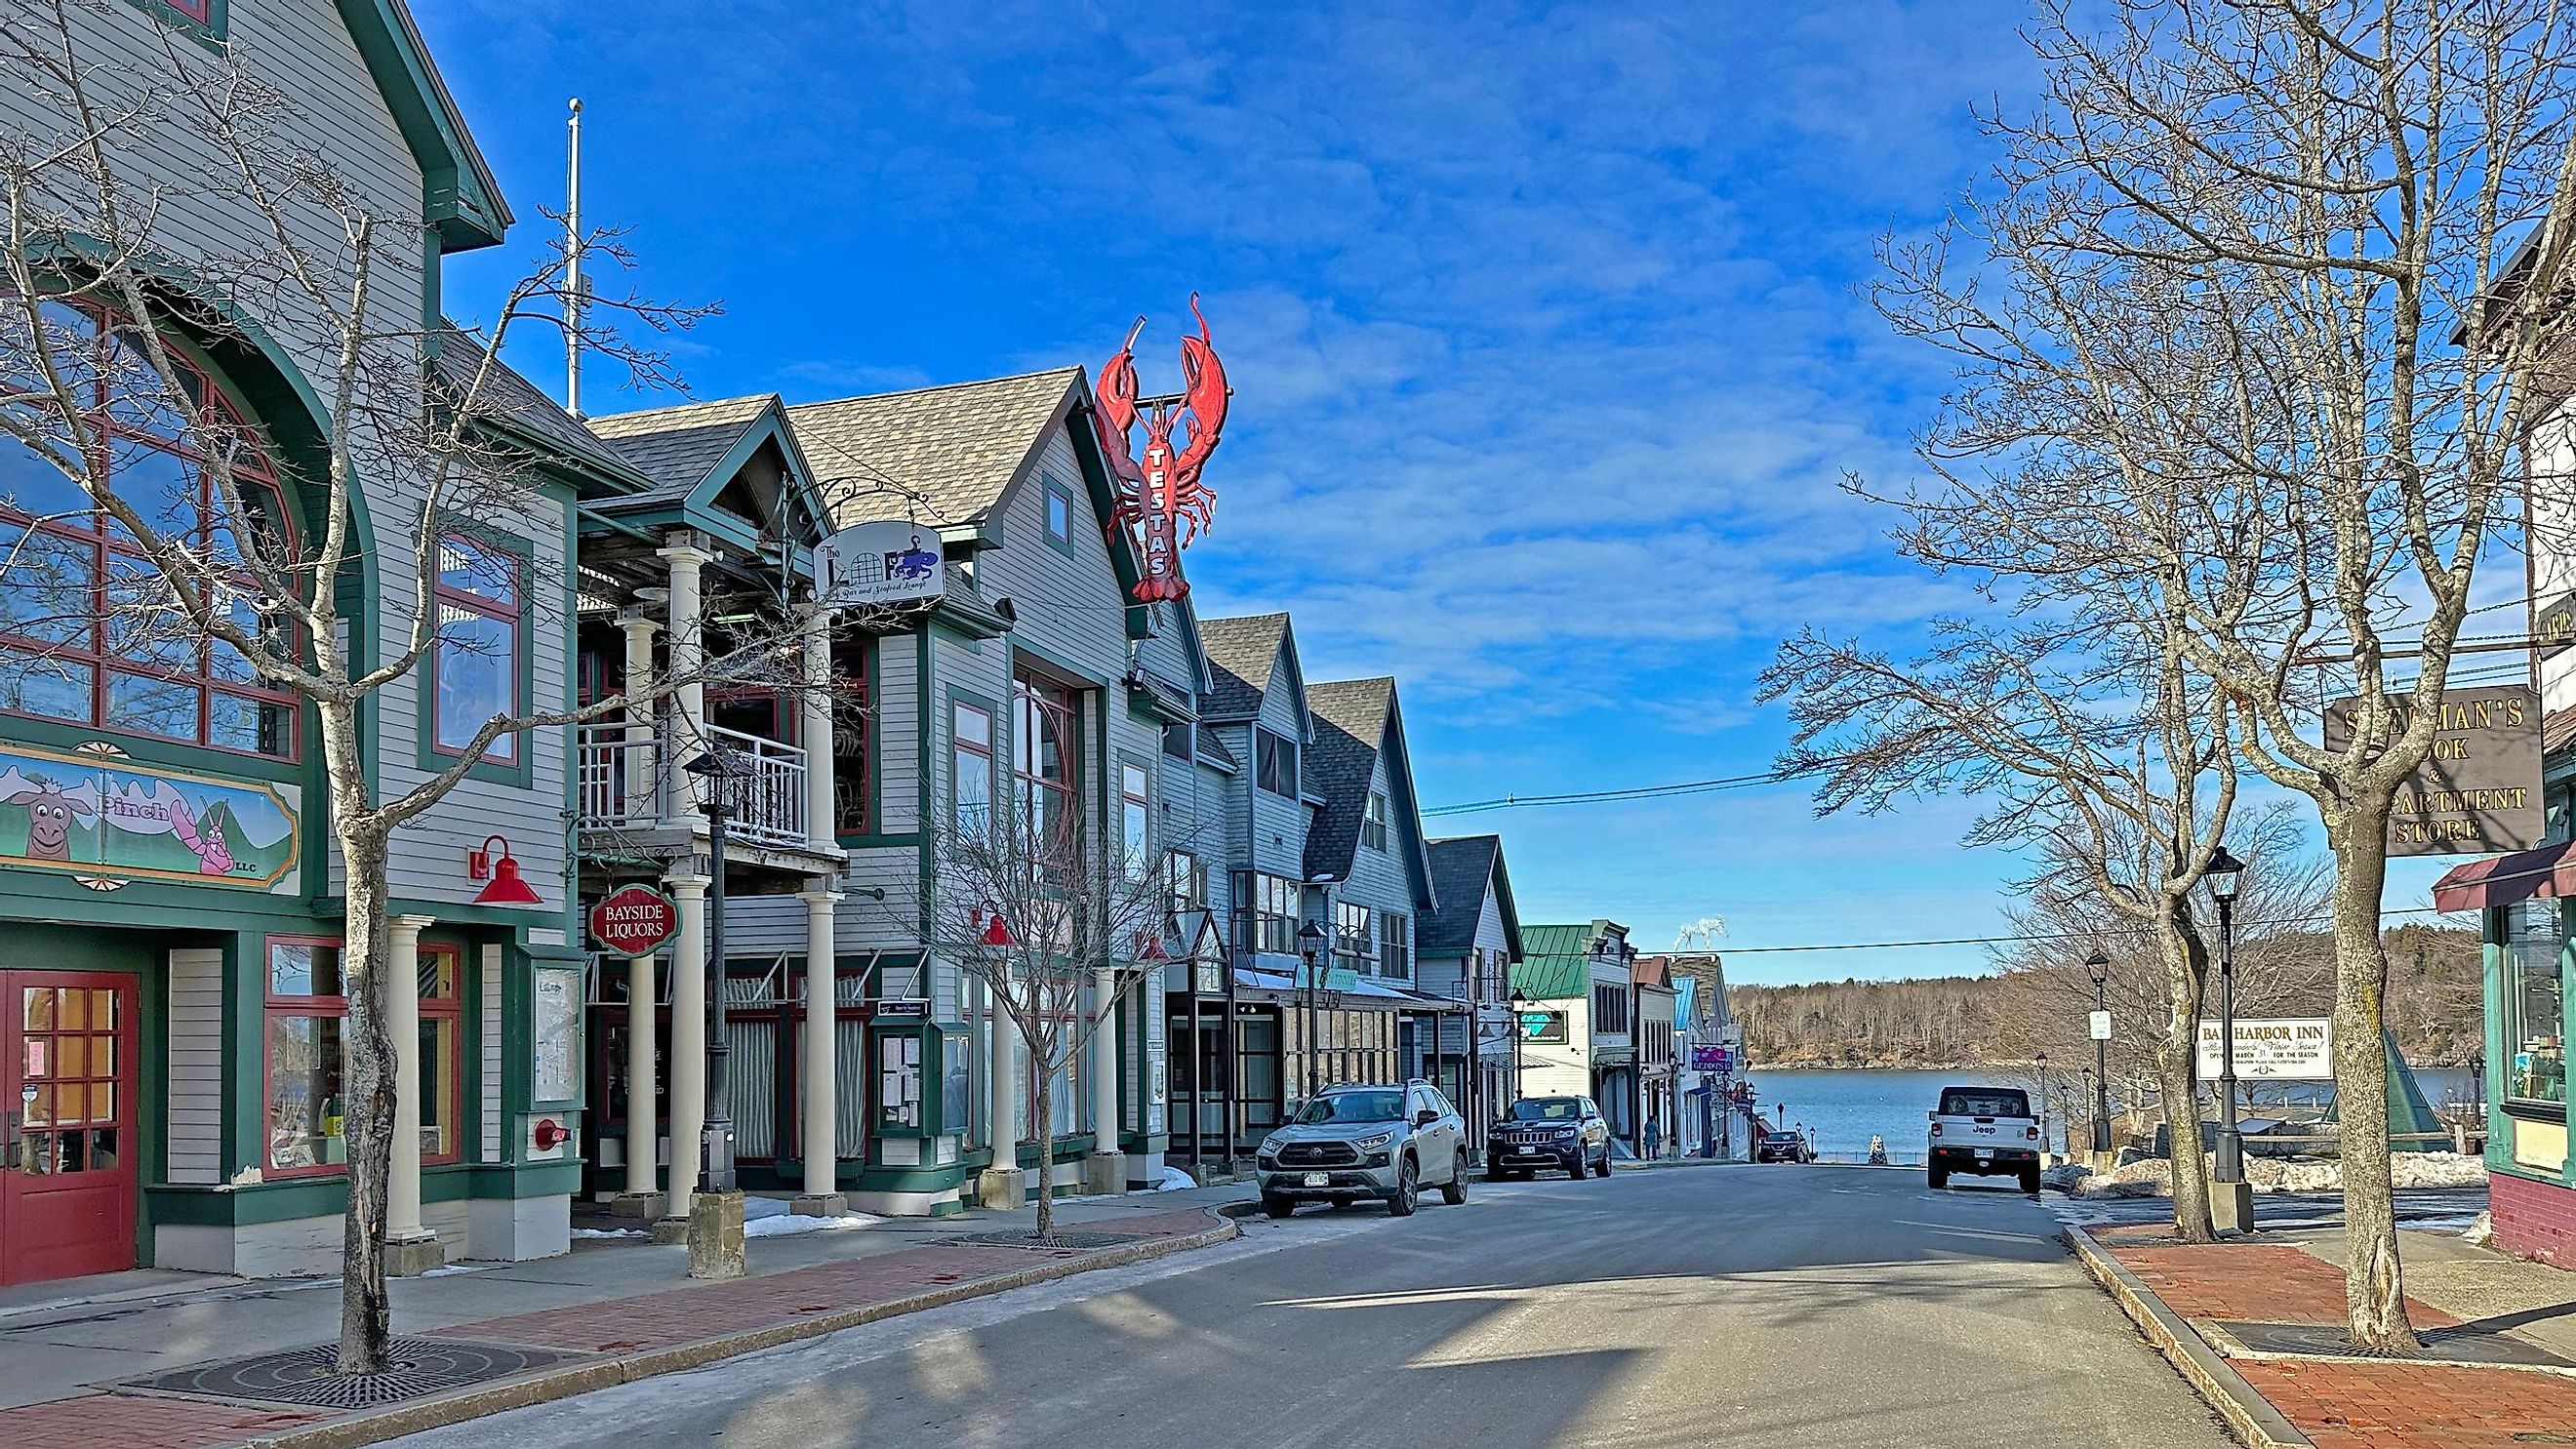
<point>68,1181</point>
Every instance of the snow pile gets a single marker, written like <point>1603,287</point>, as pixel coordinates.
<point>2153,1176</point>
<point>768,1217</point>
<point>2480,1232</point>
<point>1174,1180</point>
<point>609,1233</point>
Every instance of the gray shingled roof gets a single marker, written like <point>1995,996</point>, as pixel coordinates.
<point>508,398</point>
<point>1239,654</point>
<point>1350,724</point>
<point>960,445</point>
<point>678,446</point>
<point>1462,873</point>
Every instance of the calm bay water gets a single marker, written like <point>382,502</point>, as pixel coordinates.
<point>1842,1108</point>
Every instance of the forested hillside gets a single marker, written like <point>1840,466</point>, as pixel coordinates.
<point>2434,1006</point>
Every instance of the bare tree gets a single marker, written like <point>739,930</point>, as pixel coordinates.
<point>1035,914</point>
<point>112,278</point>
<point>2226,265</point>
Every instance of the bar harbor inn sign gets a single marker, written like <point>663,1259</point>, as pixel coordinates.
<point>2478,792</point>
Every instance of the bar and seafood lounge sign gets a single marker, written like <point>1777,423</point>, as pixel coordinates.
<point>2478,792</point>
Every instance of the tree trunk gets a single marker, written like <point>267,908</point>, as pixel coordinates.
<point>366,1309</point>
<point>2374,1281</point>
<point>1042,1119</point>
<point>2177,1063</point>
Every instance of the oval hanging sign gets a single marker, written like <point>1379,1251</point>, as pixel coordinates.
<point>632,920</point>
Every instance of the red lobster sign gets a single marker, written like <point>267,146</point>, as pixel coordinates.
<point>1161,499</point>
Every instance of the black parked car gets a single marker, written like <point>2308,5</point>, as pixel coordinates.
<point>1782,1147</point>
<point>1563,1133</point>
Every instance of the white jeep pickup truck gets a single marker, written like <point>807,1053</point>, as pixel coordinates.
<point>1986,1132</point>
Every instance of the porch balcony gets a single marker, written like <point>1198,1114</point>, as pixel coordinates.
<point>631,782</point>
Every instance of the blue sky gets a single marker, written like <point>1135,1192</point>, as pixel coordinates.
<point>1543,325</point>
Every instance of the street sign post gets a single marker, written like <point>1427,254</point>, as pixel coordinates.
<point>2101,1025</point>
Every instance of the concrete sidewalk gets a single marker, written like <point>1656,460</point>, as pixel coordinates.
<point>613,1310</point>
<point>2252,1323</point>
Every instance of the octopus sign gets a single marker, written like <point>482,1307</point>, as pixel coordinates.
<point>1161,501</point>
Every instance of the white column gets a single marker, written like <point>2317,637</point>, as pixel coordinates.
<point>640,784</point>
<point>399,990</point>
<point>816,730</point>
<point>688,1037</point>
<point>688,658</point>
<point>643,1124</point>
<point>1003,1064</point>
<point>822,1072</point>
<point>1104,1061</point>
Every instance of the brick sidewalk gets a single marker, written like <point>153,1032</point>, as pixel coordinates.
<point>2334,1403</point>
<point>647,1333</point>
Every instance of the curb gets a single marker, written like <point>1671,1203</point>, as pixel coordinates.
<point>2247,1414</point>
<point>582,1378</point>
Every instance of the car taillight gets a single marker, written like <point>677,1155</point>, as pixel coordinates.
<point>2032,1132</point>
<point>1936,1129</point>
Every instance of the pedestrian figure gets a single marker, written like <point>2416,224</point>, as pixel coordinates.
<point>1877,1150</point>
<point>1654,1136</point>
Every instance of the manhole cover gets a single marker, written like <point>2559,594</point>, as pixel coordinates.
<point>304,1376</point>
<point>1079,1242</point>
<point>2441,1345</point>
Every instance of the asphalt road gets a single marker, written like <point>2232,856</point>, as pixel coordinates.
<point>1688,1306</point>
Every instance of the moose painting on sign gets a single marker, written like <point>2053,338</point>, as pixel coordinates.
<point>108,820</point>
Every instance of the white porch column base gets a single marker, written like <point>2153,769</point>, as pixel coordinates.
<point>1002,1185</point>
<point>643,1116</point>
<point>688,1096</point>
<point>822,1063</point>
<point>413,1248</point>
<point>1106,1171</point>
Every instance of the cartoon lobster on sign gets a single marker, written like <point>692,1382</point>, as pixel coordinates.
<point>1163,498</point>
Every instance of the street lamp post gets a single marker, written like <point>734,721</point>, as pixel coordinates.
<point>2043,1108</point>
<point>715,1153</point>
<point>1310,944</point>
<point>2100,966</point>
<point>2233,1203</point>
<point>1520,999</point>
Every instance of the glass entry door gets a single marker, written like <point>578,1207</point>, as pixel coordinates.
<point>68,1181</point>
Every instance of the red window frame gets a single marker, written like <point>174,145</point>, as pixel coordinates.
<point>107,428</point>
<point>200,11</point>
<point>335,1007</point>
<point>506,610</point>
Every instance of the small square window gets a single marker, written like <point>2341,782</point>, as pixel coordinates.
<point>1059,514</point>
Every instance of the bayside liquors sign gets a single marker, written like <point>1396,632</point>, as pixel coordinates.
<point>2478,792</point>
<point>632,920</point>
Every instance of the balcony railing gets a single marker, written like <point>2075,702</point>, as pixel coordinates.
<point>627,784</point>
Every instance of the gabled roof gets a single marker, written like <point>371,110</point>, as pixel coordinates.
<point>678,446</point>
<point>1556,962</point>
<point>463,201</point>
<point>1463,870</point>
<point>508,400</point>
<point>1352,717</point>
<point>1240,653</point>
<point>961,446</point>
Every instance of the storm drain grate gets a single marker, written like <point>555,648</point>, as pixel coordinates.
<point>2466,1344</point>
<point>304,1377</point>
<point>1060,1242</point>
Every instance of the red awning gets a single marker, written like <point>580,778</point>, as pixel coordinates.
<point>2546,872</point>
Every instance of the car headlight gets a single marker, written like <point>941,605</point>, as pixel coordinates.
<point>1371,1144</point>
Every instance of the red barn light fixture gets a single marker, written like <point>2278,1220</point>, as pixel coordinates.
<point>501,870</point>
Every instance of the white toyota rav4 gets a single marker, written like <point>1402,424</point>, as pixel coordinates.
<point>1987,1132</point>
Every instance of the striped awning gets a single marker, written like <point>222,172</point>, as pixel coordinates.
<point>2546,873</point>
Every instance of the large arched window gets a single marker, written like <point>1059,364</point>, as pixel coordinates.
<point>87,634</point>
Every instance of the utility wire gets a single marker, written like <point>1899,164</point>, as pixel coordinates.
<point>2043,936</point>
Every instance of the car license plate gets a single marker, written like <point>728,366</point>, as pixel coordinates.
<point>1319,1179</point>
<point>1985,1154</point>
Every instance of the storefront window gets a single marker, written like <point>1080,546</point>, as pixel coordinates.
<point>307,1111</point>
<point>2536,1061</point>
